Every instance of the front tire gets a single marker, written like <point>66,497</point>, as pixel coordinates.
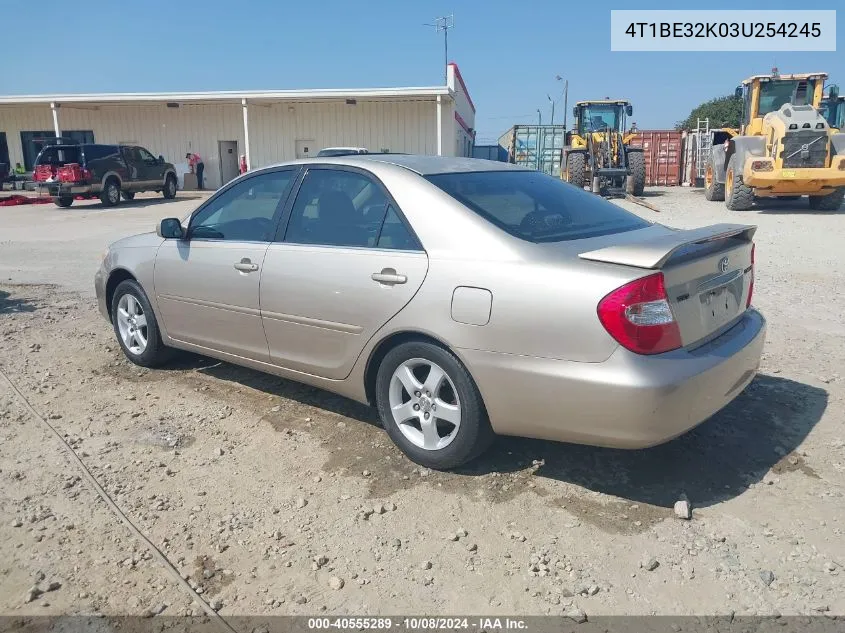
<point>576,165</point>
<point>110,195</point>
<point>738,196</point>
<point>430,407</point>
<point>63,201</point>
<point>136,327</point>
<point>169,191</point>
<point>830,202</point>
<point>636,163</point>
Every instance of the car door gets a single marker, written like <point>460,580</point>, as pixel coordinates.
<point>207,284</point>
<point>153,171</point>
<point>347,264</point>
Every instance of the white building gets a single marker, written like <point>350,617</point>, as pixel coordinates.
<point>267,126</point>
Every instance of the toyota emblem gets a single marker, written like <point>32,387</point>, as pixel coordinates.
<point>723,264</point>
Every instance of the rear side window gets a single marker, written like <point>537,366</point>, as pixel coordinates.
<point>96,152</point>
<point>536,207</point>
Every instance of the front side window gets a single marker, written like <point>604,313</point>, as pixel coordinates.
<point>246,211</point>
<point>536,207</point>
<point>145,155</point>
<point>337,208</point>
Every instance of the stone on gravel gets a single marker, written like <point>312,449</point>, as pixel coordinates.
<point>575,614</point>
<point>767,576</point>
<point>336,583</point>
<point>53,585</point>
<point>276,409</point>
<point>301,503</point>
<point>379,509</point>
<point>33,593</point>
<point>426,564</point>
<point>216,604</point>
<point>472,547</point>
<point>683,510</point>
<point>17,523</point>
<point>301,599</point>
<point>650,564</point>
<point>592,590</point>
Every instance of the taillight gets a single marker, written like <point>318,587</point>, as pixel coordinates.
<point>751,283</point>
<point>86,175</point>
<point>639,317</point>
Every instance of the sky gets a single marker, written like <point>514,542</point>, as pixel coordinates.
<point>509,52</point>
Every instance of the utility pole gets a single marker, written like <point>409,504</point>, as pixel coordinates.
<point>565,98</point>
<point>539,117</point>
<point>444,24</point>
<point>549,97</point>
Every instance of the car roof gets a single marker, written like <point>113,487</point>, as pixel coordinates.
<point>422,165</point>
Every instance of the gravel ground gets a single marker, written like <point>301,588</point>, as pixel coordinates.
<point>272,497</point>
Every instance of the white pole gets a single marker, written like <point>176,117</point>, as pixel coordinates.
<point>439,125</point>
<point>54,108</point>
<point>246,134</point>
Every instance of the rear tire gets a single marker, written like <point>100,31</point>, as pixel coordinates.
<point>449,445</point>
<point>576,163</point>
<point>738,196</point>
<point>169,191</point>
<point>63,201</point>
<point>139,339</point>
<point>127,195</point>
<point>110,195</point>
<point>830,202</point>
<point>713,191</point>
<point>636,163</point>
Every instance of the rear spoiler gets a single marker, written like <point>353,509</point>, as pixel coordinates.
<point>654,252</point>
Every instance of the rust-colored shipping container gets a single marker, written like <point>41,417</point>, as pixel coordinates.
<point>663,151</point>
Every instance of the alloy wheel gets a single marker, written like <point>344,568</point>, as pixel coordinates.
<point>132,324</point>
<point>424,404</point>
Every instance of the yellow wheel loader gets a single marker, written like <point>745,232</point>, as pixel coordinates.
<point>597,153</point>
<point>784,149</point>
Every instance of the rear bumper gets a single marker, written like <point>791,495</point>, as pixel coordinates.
<point>795,181</point>
<point>627,401</point>
<point>56,189</point>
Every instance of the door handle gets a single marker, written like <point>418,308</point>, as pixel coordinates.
<point>246,266</point>
<point>389,276</point>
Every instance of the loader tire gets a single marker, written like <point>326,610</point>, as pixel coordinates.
<point>636,164</point>
<point>576,163</point>
<point>713,190</point>
<point>830,202</point>
<point>738,195</point>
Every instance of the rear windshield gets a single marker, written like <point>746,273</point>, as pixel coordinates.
<point>58,155</point>
<point>536,207</point>
<point>339,152</point>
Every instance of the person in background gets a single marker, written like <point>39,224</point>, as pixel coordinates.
<point>19,170</point>
<point>197,167</point>
<point>242,164</point>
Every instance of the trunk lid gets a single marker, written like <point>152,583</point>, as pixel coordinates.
<point>707,273</point>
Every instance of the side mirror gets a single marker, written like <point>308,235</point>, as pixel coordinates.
<point>738,92</point>
<point>833,92</point>
<point>575,112</point>
<point>629,109</point>
<point>160,159</point>
<point>170,229</point>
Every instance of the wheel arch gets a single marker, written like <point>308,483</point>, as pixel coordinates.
<point>112,175</point>
<point>390,342</point>
<point>116,276</point>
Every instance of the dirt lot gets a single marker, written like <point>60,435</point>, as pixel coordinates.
<point>270,497</point>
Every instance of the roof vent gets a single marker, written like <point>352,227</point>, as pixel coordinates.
<point>171,104</point>
<point>351,102</point>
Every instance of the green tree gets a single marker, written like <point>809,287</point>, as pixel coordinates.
<point>722,112</point>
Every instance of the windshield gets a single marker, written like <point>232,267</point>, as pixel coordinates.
<point>599,117</point>
<point>774,94</point>
<point>536,207</point>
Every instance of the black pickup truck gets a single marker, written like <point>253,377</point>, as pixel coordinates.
<point>108,172</point>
